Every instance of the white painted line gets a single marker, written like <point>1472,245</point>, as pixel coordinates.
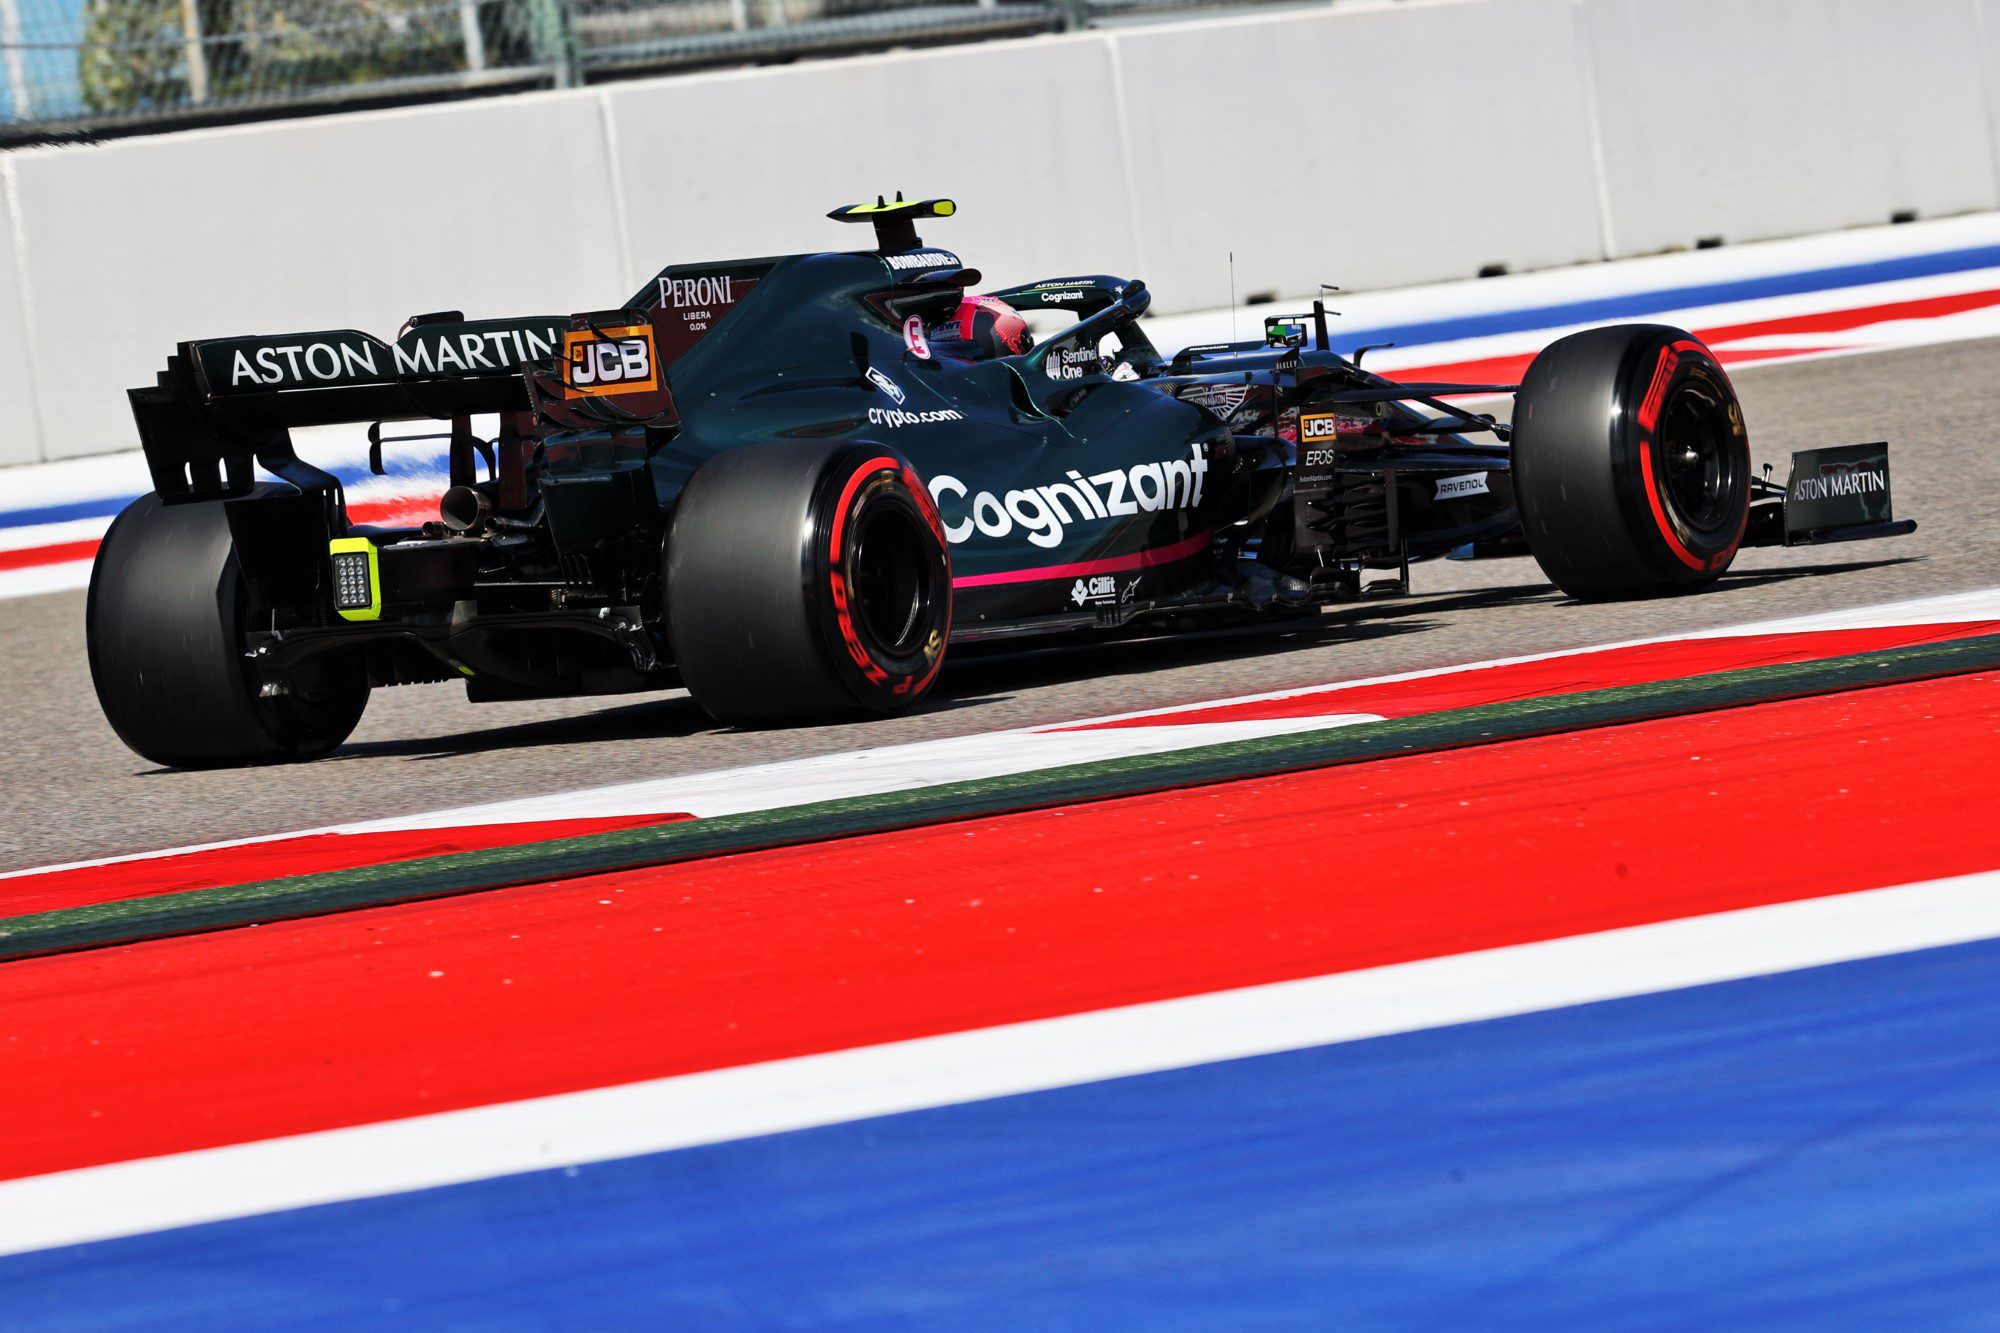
<point>1469,297</point>
<point>1948,609</point>
<point>36,535</point>
<point>128,1198</point>
<point>71,481</point>
<point>34,580</point>
<point>1724,315</point>
<point>75,480</point>
<point>795,781</point>
<point>1952,608</point>
<point>871,772</point>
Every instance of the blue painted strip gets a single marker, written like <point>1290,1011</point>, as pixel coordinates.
<point>1636,304</point>
<point>1817,1149</point>
<point>63,513</point>
<point>109,506</point>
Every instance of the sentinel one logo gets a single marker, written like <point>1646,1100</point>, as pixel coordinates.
<point>1837,481</point>
<point>1044,513</point>
<point>1072,363</point>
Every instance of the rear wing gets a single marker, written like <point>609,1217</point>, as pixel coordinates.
<point>223,405</point>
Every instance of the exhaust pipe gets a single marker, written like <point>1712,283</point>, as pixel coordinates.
<point>464,509</point>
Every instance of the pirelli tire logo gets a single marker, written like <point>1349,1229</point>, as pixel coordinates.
<point>600,362</point>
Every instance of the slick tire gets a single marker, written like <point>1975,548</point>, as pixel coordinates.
<point>1631,463</point>
<point>806,579</point>
<point>164,624</point>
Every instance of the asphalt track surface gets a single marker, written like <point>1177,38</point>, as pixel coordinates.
<point>69,790</point>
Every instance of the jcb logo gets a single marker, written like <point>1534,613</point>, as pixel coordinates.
<point>605,361</point>
<point>1318,427</point>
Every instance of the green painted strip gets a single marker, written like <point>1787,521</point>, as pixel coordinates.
<point>665,844</point>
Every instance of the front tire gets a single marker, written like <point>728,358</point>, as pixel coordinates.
<point>164,623</point>
<point>1631,463</point>
<point>807,579</point>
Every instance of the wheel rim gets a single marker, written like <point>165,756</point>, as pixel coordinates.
<point>892,583</point>
<point>1701,471</point>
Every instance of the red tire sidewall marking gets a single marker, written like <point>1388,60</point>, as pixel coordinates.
<point>1647,417</point>
<point>843,612</point>
<point>933,650</point>
<point>872,473</point>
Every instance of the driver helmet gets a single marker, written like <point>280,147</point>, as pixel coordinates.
<point>984,327</point>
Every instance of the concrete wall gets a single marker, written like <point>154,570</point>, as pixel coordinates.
<point>1370,143</point>
<point>349,221</point>
<point>1361,147</point>
<point>1755,118</point>
<point>20,416</point>
<point>1025,140</point>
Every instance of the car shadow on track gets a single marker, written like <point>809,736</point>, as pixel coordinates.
<point>1057,664</point>
<point>983,677</point>
<point>993,674</point>
<point>1738,580</point>
<point>675,717</point>
<point>655,719</point>
<point>1062,663</point>
<point>1755,578</point>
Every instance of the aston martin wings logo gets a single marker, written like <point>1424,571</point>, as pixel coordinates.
<point>1221,399</point>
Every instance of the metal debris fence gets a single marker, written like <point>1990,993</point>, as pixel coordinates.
<point>119,66</point>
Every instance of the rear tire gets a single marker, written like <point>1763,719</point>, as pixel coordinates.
<point>164,623</point>
<point>1631,463</point>
<point>807,579</point>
